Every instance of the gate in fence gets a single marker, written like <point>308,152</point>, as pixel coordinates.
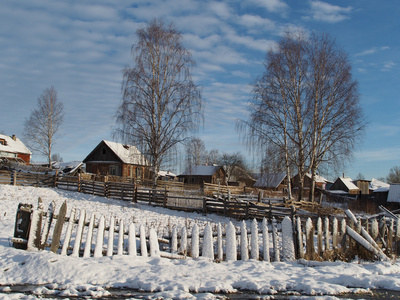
<point>85,236</point>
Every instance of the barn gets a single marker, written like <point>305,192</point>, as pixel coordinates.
<point>111,158</point>
<point>12,149</point>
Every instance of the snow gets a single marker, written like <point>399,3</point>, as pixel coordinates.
<point>69,276</point>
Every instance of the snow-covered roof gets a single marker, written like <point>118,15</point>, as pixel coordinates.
<point>348,182</point>
<point>394,193</point>
<point>377,184</point>
<point>13,145</point>
<point>127,153</point>
<point>270,180</point>
<point>318,178</point>
<point>67,167</point>
<point>201,171</point>
<point>166,174</point>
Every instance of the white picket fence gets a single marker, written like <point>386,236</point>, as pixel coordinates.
<point>88,236</point>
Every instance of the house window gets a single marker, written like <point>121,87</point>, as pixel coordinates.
<point>3,142</point>
<point>104,151</point>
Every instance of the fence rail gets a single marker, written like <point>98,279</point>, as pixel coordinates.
<point>298,238</point>
<point>240,208</point>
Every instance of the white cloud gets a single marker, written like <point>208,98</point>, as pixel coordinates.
<point>221,9</point>
<point>386,154</point>
<point>325,12</point>
<point>271,5</point>
<point>388,65</point>
<point>372,51</point>
<point>256,21</point>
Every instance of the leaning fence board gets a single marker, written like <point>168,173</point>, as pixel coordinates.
<point>68,233</point>
<point>55,243</point>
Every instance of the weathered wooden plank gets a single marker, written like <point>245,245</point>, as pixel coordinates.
<point>55,242</point>
<point>47,224</point>
<point>79,233</point>
<point>98,250</point>
<point>68,233</point>
<point>89,238</point>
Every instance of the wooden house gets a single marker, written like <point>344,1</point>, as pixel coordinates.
<point>272,181</point>
<point>204,174</point>
<point>110,158</point>
<point>345,184</point>
<point>320,182</point>
<point>12,149</point>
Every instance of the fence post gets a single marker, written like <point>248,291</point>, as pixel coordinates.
<point>135,195</point>
<point>79,182</point>
<point>204,206</point>
<point>14,178</point>
<point>106,186</point>
<point>270,210</point>
<point>165,197</point>
<point>55,178</point>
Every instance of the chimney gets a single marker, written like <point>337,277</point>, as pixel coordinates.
<point>14,137</point>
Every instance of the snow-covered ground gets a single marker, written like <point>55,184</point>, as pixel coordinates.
<point>168,279</point>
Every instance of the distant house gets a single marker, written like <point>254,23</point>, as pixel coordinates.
<point>272,181</point>
<point>345,184</point>
<point>320,182</point>
<point>110,158</point>
<point>11,148</point>
<point>241,178</point>
<point>394,193</point>
<point>201,174</point>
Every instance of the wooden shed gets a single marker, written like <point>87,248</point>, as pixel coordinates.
<point>12,149</point>
<point>201,174</point>
<point>110,158</point>
<point>320,182</point>
<point>345,184</point>
<point>272,181</point>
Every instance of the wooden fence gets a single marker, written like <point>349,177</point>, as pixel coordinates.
<point>210,189</point>
<point>82,235</point>
<point>239,207</point>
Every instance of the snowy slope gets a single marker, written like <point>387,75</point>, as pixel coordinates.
<point>170,279</point>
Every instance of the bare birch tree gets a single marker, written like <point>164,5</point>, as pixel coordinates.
<point>337,120</point>
<point>196,153</point>
<point>306,104</point>
<point>42,127</point>
<point>160,104</point>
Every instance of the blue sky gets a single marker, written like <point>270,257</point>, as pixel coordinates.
<point>80,47</point>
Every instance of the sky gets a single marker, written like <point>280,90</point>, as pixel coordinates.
<point>81,47</point>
